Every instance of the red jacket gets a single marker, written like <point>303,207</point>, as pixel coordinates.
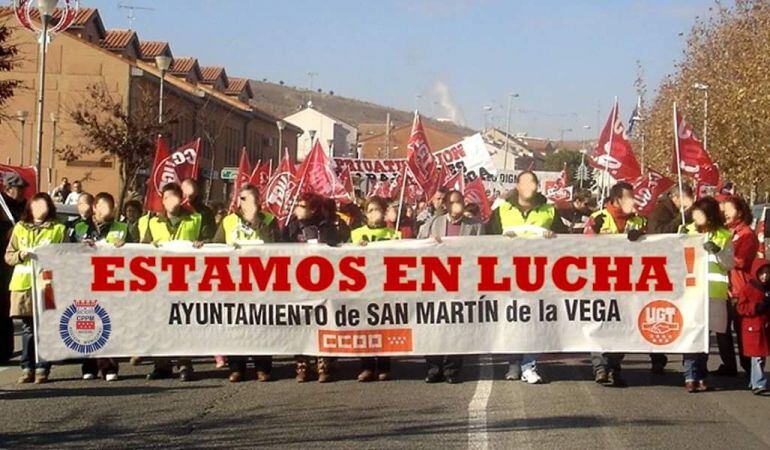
<point>755,328</point>
<point>745,246</point>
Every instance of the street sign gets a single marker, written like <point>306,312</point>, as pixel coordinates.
<point>228,173</point>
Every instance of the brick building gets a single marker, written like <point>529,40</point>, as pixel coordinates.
<point>205,102</point>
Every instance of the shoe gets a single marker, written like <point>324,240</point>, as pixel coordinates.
<point>451,379</point>
<point>723,371</point>
<point>383,376</point>
<point>324,370</point>
<point>703,387</point>
<point>531,376</point>
<point>691,386</point>
<point>41,377</point>
<point>263,376</point>
<point>159,375</point>
<point>88,376</point>
<point>759,391</point>
<point>221,361</point>
<point>235,376</point>
<point>366,376</point>
<point>434,378</point>
<point>302,372</point>
<point>600,376</point>
<point>111,377</point>
<point>185,375</point>
<point>615,380</point>
<point>514,372</point>
<point>136,360</point>
<point>26,377</point>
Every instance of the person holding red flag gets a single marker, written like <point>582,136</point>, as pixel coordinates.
<point>249,225</point>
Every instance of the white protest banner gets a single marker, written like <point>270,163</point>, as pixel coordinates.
<point>505,180</point>
<point>469,154</point>
<point>488,294</point>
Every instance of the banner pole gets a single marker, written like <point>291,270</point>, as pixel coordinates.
<point>678,163</point>
<point>294,199</point>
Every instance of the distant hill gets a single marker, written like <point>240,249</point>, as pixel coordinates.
<point>282,101</point>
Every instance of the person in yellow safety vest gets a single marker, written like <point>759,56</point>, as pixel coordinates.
<point>374,229</point>
<point>707,220</point>
<point>618,217</point>
<point>249,223</point>
<point>37,227</point>
<point>524,206</point>
<point>103,228</point>
<point>174,224</point>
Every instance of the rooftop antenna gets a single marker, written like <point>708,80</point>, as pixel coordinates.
<point>132,12</point>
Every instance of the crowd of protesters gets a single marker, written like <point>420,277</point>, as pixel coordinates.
<point>738,282</point>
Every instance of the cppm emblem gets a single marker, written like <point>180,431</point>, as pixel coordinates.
<point>85,326</point>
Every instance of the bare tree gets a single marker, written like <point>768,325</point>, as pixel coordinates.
<point>8,59</point>
<point>110,129</point>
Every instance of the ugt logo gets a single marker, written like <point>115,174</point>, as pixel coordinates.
<point>660,322</point>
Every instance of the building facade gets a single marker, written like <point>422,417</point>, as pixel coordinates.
<point>199,102</point>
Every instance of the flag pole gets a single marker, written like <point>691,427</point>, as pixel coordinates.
<point>401,197</point>
<point>7,210</point>
<point>605,177</point>
<point>294,200</point>
<point>678,163</point>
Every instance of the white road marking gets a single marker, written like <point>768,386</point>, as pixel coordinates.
<point>477,408</point>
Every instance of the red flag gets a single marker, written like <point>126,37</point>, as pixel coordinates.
<point>28,174</point>
<point>420,160</point>
<point>619,159</point>
<point>648,188</point>
<point>455,182</point>
<point>346,178</point>
<point>476,193</point>
<point>241,178</point>
<point>316,175</point>
<point>279,192</point>
<point>162,173</point>
<point>170,168</point>
<point>694,160</point>
<point>556,192</point>
<point>260,176</point>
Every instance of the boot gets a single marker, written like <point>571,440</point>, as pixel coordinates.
<point>366,375</point>
<point>263,376</point>
<point>236,376</point>
<point>324,370</point>
<point>27,377</point>
<point>302,371</point>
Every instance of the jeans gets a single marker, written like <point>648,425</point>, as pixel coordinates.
<point>695,366</point>
<point>525,361</point>
<point>607,361</point>
<point>28,348</point>
<point>758,378</point>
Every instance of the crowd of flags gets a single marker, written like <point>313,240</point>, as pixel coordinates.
<point>423,174</point>
<point>614,156</point>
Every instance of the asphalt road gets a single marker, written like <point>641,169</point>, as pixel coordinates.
<point>484,411</point>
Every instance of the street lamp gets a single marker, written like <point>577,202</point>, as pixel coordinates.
<point>54,121</point>
<point>21,116</point>
<point>705,89</point>
<point>281,124</point>
<point>23,11</point>
<point>511,96</point>
<point>163,63</point>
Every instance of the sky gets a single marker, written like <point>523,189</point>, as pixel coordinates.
<point>458,59</point>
